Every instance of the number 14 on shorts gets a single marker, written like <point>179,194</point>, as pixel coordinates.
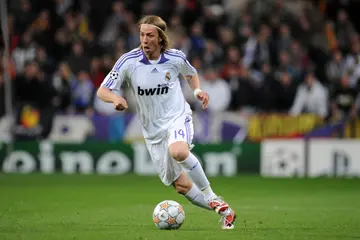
<point>179,133</point>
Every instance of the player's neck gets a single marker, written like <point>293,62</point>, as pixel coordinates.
<point>154,56</point>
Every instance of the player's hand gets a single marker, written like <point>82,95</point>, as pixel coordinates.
<point>204,98</point>
<point>120,104</point>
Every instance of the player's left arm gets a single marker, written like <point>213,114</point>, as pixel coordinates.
<point>191,76</point>
<point>194,83</point>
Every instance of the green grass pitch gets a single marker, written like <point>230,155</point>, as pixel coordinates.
<point>91,207</point>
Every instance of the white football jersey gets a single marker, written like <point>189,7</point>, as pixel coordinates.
<point>155,86</point>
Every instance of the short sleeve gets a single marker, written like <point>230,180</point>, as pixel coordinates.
<point>185,67</point>
<point>114,78</point>
<point>119,72</point>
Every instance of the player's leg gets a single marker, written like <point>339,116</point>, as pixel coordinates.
<point>180,138</point>
<point>184,186</point>
<point>179,151</point>
<point>179,141</point>
<point>171,173</point>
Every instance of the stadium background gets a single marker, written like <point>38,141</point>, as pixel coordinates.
<point>283,81</point>
<point>273,69</point>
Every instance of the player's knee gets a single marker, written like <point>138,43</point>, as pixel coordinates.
<point>179,152</point>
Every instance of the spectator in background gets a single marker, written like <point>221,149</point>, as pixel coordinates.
<point>175,27</point>
<point>197,39</point>
<point>120,47</point>
<point>62,82</point>
<point>331,36</point>
<point>78,60</point>
<point>33,87</point>
<point>286,94</point>
<point>227,37</point>
<point>259,76</point>
<point>96,75</point>
<point>42,31</point>
<point>243,91</point>
<point>277,95</point>
<point>62,6</point>
<point>335,68</point>
<point>311,97</point>
<point>285,39</point>
<point>212,21</point>
<point>24,16</point>
<point>352,63</point>
<point>249,48</point>
<point>343,100</point>
<point>268,91</point>
<point>309,24</point>
<point>232,62</point>
<point>285,65</point>
<point>62,45</point>
<point>45,62</point>
<point>183,42</point>
<point>132,35</point>
<point>71,27</point>
<point>107,63</point>
<point>261,51</point>
<point>24,52</point>
<point>243,26</point>
<point>344,30</point>
<point>111,30</point>
<point>82,92</point>
<point>213,54</point>
<point>93,48</point>
<point>218,90</point>
<point>299,60</point>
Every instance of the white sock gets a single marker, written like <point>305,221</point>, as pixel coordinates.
<point>197,198</point>
<point>209,194</point>
<point>197,174</point>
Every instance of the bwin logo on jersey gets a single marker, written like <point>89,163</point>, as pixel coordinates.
<point>160,90</point>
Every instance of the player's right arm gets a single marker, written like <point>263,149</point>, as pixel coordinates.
<point>113,81</point>
<point>108,96</point>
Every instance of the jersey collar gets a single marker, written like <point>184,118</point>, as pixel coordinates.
<point>145,61</point>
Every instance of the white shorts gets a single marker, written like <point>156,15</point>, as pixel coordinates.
<point>168,168</point>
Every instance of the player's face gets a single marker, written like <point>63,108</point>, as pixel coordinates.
<point>150,42</point>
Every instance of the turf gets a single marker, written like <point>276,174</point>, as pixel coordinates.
<point>120,207</point>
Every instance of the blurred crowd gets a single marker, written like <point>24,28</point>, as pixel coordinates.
<point>254,56</point>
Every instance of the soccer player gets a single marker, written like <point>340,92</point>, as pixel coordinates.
<point>152,71</point>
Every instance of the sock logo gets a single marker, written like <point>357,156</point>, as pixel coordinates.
<point>192,168</point>
<point>160,90</point>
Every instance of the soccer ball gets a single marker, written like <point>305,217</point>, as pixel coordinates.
<point>168,215</point>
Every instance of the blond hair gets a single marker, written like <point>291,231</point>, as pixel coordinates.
<point>161,27</point>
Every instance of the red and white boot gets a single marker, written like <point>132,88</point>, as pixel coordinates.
<point>228,215</point>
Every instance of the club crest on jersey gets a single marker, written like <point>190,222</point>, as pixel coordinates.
<point>168,76</point>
